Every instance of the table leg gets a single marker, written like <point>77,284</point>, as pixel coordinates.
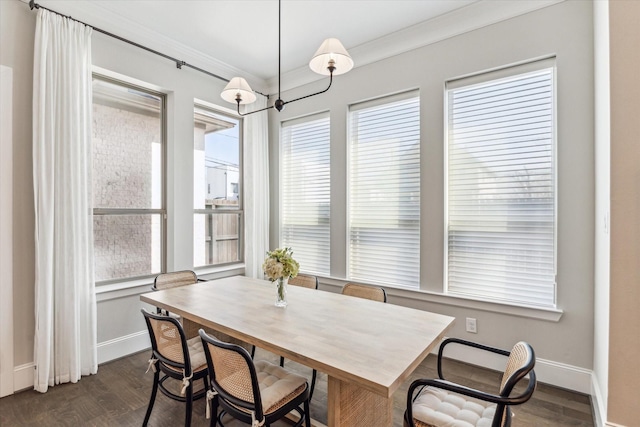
<point>349,405</point>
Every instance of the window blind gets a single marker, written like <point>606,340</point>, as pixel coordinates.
<point>501,192</point>
<point>305,191</point>
<point>384,191</point>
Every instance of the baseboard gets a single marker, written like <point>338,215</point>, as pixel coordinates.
<point>123,346</point>
<point>23,377</point>
<point>597,403</point>
<point>547,371</point>
<point>107,351</point>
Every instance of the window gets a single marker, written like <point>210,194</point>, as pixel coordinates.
<point>384,191</point>
<point>305,201</point>
<point>217,150</point>
<point>128,181</point>
<point>501,188</point>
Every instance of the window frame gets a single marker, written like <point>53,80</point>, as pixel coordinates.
<point>240,210</point>
<point>162,211</point>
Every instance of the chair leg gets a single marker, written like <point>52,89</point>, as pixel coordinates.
<point>189,405</point>
<point>154,391</point>
<point>253,351</point>
<point>281,361</point>
<point>214,412</point>
<point>313,383</point>
<point>307,416</point>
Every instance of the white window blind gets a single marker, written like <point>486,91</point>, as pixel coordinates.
<point>305,192</point>
<point>384,191</point>
<point>501,189</point>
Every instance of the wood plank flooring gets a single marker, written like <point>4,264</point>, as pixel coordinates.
<point>118,396</point>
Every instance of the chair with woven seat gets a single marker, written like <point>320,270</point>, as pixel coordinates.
<point>440,403</point>
<point>310,282</point>
<point>174,279</point>
<point>365,291</point>
<point>304,281</point>
<point>258,393</point>
<point>173,356</point>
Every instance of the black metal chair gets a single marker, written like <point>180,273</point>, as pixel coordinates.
<point>439,402</point>
<point>365,291</point>
<point>255,393</point>
<point>175,357</point>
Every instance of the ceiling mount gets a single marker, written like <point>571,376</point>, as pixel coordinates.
<point>330,59</point>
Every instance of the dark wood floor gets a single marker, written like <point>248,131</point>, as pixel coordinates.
<point>118,396</point>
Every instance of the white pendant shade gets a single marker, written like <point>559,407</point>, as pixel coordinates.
<point>238,86</point>
<point>331,49</point>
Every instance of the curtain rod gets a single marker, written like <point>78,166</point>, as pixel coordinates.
<point>179,63</point>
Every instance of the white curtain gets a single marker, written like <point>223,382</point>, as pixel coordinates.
<point>65,305</point>
<point>256,189</point>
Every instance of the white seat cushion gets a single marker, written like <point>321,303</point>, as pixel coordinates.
<point>442,408</point>
<point>196,354</point>
<point>277,385</point>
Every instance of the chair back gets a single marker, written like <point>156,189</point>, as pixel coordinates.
<point>365,291</point>
<point>174,279</point>
<point>305,281</point>
<point>232,374</point>
<point>168,342</point>
<point>521,362</point>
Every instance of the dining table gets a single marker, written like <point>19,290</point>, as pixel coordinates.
<point>366,348</point>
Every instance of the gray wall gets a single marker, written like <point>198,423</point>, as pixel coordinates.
<point>564,30</point>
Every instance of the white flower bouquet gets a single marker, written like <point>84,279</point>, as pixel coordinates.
<point>280,264</point>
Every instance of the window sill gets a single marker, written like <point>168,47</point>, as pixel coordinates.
<point>140,286</point>
<point>217,272</point>
<point>539,313</point>
<point>123,289</point>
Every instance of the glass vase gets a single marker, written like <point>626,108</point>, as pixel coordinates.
<point>281,292</point>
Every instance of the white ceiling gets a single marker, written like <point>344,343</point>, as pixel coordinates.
<point>242,35</point>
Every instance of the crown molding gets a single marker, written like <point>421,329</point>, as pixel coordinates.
<point>93,14</point>
<point>472,17</point>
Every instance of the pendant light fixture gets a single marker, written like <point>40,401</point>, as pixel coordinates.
<point>331,59</point>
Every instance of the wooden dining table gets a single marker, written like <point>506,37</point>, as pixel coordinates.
<point>366,348</point>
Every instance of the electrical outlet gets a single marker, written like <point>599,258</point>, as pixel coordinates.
<point>472,326</point>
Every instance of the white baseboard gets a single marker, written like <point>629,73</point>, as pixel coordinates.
<point>123,346</point>
<point>598,402</point>
<point>547,371</point>
<point>107,351</point>
<point>23,377</point>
